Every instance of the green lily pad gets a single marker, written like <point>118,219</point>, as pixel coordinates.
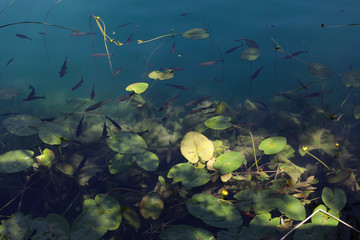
<point>335,200</point>
<point>218,122</point>
<point>262,201</point>
<point>181,232</point>
<point>65,168</point>
<point>54,226</point>
<point>147,161</point>
<point>8,93</point>
<point>228,162</point>
<point>273,145</point>
<point>47,158</point>
<point>127,143</point>
<point>16,227</point>
<point>356,111</point>
<point>119,163</point>
<point>151,206</point>
<point>291,207</point>
<point>250,54</point>
<point>16,161</point>
<point>131,217</point>
<point>338,176</point>
<point>195,145</point>
<point>138,87</point>
<point>310,231</point>
<point>196,33</point>
<point>214,212</point>
<point>22,125</point>
<point>325,220</point>
<point>263,225</point>
<point>158,75</point>
<point>52,132</point>
<point>188,175</point>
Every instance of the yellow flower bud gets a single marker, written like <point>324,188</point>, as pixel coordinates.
<point>224,192</point>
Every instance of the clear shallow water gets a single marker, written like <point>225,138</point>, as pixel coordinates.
<point>297,27</point>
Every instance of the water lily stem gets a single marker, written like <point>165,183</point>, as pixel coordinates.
<point>305,150</point>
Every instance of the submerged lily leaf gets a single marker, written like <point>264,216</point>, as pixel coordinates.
<point>318,70</point>
<point>16,161</point>
<point>338,176</point>
<point>147,161</point>
<point>158,75</point>
<point>351,78</point>
<point>151,206</point>
<point>356,111</point>
<point>52,132</point>
<point>214,212</point>
<point>291,207</point>
<point>188,175</point>
<point>119,163</point>
<point>218,122</point>
<point>65,168</point>
<point>8,93</point>
<point>195,145</point>
<point>47,158</point>
<point>250,54</point>
<point>16,227</point>
<point>22,125</point>
<point>228,162</point>
<point>131,217</point>
<point>138,87</point>
<point>335,200</point>
<point>54,226</point>
<point>180,232</point>
<point>196,33</point>
<point>127,143</point>
<point>273,145</point>
<point>320,139</point>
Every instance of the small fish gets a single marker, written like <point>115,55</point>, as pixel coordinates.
<point>232,49</point>
<point>114,123</point>
<point>168,103</point>
<point>177,86</point>
<point>47,119</point>
<point>7,114</point>
<point>219,82</point>
<point>80,166</point>
<point>92,92</point>
<point>317,94</point>
<point>142,106</point>
<point>101,54</point>
<point>197,101</point>
<point>123,25</point>
<point>79,127</point>
<point>8,62</point>
<point>32,96</point>
<point>143,132</point>
<point>104,135</point>
<point>172,51</point>
<point>303,86</point>
<point>197,110</point>
<point>295,54</point>
<point>168,115</point>
<point>79,34</point>
<point>117,71</point>
<point>257,72</point>
<point>184,14</point>
<point>129,39</point>
<point>97,105</point>
<point>271,26</point>
<point>148,64</point>
<point>123,98</point>
<point>284,95</point>
<point>209,63</point>
<point>63,71</point>
<point>78,84</point>
<point>173,68</point>
<point>23,36</point>
<point>42,33</point>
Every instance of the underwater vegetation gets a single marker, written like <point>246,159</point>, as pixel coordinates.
<point>127,167</point>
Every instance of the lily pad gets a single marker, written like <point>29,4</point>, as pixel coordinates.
<point>16,227</point>
<point>127,143</point>
<point>47,158</point>
<point>119,163</point>
<point>16,161</point>
<point>147,161</point>
<point>321,139</point>
<point>188,175</point>
<point>335,200</point>
<point>65,168</point>
<point>214,212</point>
<point>195,145</point>
<point>52,132</point>
<point>351,78</point>
<point>180,232</point>
<point>228,162</point>
<point>196,33</point>
<point>54,226</point>
<point>318,70</point>
<point>151,206</point>
<point>22,125</point>
<point>338,176</point>
<point>356,111</point>
<point>263,225</point>
<point>137,88</point>
<point>131,217</point>
<point>158,75</point>
<point>218,122</point>
<point>325,220</point>
<point>250,54</point>
<point>273,145</point>
<point>291,207</point>
<point>8,93</point>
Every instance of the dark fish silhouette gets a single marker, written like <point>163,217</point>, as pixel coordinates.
<point>168,103</point>
<point>197,101</point>
<point>8,62</point>
<point>104,135</point>
<point>80,166</point>
<point>168,115</point>
<point>97,105</point>
<point>257,72</point>
<point>101,54</point>
<point>232,49</point>
<point>63,71</point>
<point>177,86</point>
<point>78,84</point>
<point>23,36</point>
<point>32,96</point>
<point>114,123</point>
<point>172,51</point>
<point>79,34</point>
<point>123,98</point>
<point>209,63</point>
<point>142,106</point>
<point>295,54</point>
<point>317,94</point>
<point>123,25</point>
<point>303,86</point>
<point>184,14</point>
<point>117,71</point>
<point>128,41</point>
<point>79,126</point>
<point>92,92</point>
<point>197,110</point>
